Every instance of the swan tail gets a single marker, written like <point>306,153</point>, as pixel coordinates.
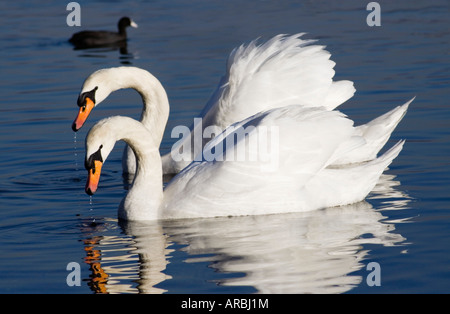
<point>387,121</point>
<point>362,178</point>
<point>376,133</point>
<point>386,159</point>
<point>370,173</point>
<point>375,168</point>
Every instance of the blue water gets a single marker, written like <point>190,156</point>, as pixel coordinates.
<point>47,221</point>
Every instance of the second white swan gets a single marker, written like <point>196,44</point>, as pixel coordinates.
<point>306,146</point>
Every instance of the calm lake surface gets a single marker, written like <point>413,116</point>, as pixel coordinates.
<point>47,221</point>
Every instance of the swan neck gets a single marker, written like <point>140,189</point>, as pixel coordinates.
<point>145,195</point>
<point>156,107</point>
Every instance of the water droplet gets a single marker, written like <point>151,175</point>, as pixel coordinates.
<point>91,209</point>
<point>75,151</point>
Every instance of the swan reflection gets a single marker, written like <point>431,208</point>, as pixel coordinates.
<point>125,263</point>
<point>311,252</point>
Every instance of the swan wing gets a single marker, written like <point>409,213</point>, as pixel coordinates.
<point>276,152</point>
<point>283,71</point>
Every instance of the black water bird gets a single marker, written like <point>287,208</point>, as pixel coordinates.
<point>92,39</point>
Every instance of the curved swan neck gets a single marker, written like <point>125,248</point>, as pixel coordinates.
<point>154,97</point>
<point>156,106</point>
<point>155,101</point>
<point>145,195</point>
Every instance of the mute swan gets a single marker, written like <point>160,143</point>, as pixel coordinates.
<point>156,112</point>
<point>285,70</point>
<point>307,141</point>
<point>90,39</point>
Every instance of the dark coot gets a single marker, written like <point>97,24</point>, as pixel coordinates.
<point>89,39</point>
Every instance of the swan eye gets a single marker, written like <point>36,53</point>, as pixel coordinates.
<point>90,162</point>
<point>82,98</point>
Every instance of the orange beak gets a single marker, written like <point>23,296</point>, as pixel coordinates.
<point>83,114</point>
<point>93,178</point>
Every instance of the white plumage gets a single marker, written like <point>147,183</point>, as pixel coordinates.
<point>304,178</point>
<point>285,70</point>
<point>283,148</point>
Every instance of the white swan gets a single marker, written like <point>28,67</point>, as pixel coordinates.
<point>285,70</point>
<point>305,142</point>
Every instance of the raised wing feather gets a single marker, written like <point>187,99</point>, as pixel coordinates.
<point>286,70</point>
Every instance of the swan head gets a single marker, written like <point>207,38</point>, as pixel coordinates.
<point>86,102</point>
<point>93,165</point>
<point>100,142</point>
<point>96,88</point>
